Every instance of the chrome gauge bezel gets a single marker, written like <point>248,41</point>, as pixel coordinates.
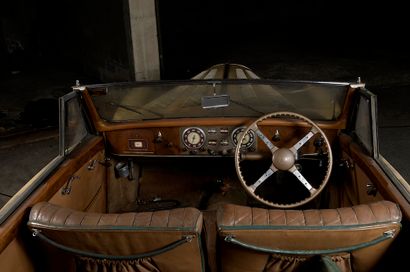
<point>235,136</point>
<point>186,139</point>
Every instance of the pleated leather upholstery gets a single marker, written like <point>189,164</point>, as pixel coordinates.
<point>125,234</point>
<point>52,216</point>
<point>379,212</point>
<point>304,230</point>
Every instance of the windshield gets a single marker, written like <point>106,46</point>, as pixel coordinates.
<point>318,101</point>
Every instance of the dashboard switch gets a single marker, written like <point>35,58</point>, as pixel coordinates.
<point>159,139</point>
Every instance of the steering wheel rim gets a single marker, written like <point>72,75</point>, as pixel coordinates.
<point>283,159</point>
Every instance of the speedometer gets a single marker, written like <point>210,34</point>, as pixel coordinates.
<point>248,139</point>
<point>193,138</point>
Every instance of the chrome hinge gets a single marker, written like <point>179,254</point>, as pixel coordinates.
<point>67,189</point>
<point>229,238</point>
<point>358,84</point>
<point>35,232</point>
<point>389,233</point>
<point>188,238</point>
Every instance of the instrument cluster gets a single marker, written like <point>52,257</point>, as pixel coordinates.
<point>214,141</point>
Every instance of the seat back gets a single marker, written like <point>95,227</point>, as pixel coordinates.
<point>168,240</point>
<point>354,238</point>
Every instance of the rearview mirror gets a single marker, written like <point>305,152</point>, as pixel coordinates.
<point>215,101</point>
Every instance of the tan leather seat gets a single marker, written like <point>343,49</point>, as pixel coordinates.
<point>353,238</point>
<point>168,240</point>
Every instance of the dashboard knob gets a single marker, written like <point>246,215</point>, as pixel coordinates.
<point>211,152</point>
<point>225,152</point>
<point>159,139</point>
<point>276,136</point>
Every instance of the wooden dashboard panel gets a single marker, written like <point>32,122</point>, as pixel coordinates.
<point>218,140</point>
<point>144,141</point>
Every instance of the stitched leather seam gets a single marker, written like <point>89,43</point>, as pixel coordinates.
<point>116,219</point>
<point>68,216</point>
<point>99,219</point>
<point>65,220</point>
<point>52,215</point>
<point>268,213</point>
<point>355,215</point>
<point>39,211</point>
<point>304,218</point>
<point>388,208</point>
<point>135,218</point>
<point>150,221</point>
<point>169,213</point>
<point>251,216</point>
<point>340,217</point>
<point>321,218</point>
<point>82,219</point>
<point>234,216</point>
<point>370,208</point>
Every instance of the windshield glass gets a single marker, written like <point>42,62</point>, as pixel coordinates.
<point>318,101</point>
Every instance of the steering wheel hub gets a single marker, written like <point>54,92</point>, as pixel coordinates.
<point>283,159</point>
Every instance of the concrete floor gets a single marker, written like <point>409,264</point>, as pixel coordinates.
<point>394,126</point>
<point>21,162</point>
<point>21,158</point>
<point>25,149</point>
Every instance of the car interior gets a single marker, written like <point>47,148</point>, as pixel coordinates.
<point>266,191</point>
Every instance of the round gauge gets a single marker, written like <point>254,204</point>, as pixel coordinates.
<point>193,138</point>
<point>247,141</point>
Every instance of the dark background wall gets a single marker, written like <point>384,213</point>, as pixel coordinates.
<point>88,37</point>
<point>93,37</point>
<point>196,34</point>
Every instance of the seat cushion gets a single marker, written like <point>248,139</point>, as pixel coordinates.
<point>363,230</point>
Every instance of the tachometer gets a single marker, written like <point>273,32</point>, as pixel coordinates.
<point>193,138</point>
<point>248,140</point>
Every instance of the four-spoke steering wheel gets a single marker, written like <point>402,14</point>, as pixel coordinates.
<point>283,159</point>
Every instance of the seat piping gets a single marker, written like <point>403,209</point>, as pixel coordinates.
<point>386,235</point>
<point>170,246</point>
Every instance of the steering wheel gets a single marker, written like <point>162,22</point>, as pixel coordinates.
<point>284,159</point>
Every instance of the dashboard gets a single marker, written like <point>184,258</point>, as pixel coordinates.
<point>213,139</point>
<point>180,141</point>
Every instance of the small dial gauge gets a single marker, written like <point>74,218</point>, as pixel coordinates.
<point>193,138</point>
<point>248,140</point>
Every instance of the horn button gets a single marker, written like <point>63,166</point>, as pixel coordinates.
<point>283,159</point>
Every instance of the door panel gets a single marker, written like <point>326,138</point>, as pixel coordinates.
<point>14,233</point>
<point>14,258</point>
<point>358,188</point>
<point>85,189</point>
<point>363,171</point>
